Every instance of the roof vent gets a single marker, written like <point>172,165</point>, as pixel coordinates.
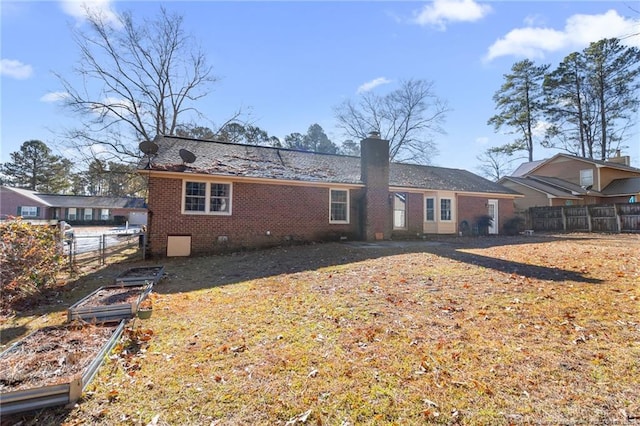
<point>188,157</point>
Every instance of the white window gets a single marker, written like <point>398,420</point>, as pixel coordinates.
<point>586,177</point>
<point>399,210</point>
<point>71,213</point>
<point>445,209</point>
<point>88,214</point>
<point>430,210</point>
<point>339,206</point>
<point>207,198</point>
<point>28,211</point>
<point>104,214</point>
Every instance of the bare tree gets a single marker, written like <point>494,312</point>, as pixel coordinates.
<point>495,163</point>
<point>407,117</point>
<point>139,79</point>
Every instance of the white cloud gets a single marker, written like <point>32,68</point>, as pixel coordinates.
<point>15,69</point>
<point>482,140</point>
<point>54,96</point>
<point>121,106</point>
<point>370,85</point>
<point>540,129</point>
<point>579,31</point>
<point>79,8</point>
<point>441,12</point>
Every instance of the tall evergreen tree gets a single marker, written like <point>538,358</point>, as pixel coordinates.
<point>316,140</point>
<point>571,107</point>
<point>612,72</point>
<point>591,98</point>
<point>520,105</point>
<point>34,167</point>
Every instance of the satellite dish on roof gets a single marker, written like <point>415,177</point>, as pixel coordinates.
<point>187,156</point>
<point>148,147</point>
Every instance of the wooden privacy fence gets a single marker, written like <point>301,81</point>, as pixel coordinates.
<point>595,218</point>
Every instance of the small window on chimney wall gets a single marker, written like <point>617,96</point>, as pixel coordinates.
<point>586,177</point>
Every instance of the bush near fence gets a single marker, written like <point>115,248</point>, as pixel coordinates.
<point>613,218</point>
<point>30,259</point>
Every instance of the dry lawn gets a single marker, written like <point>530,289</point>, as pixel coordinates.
<point>537,330</point>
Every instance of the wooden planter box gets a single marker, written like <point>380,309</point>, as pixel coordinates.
<point>140,275</point>
<point>109,303</point>
<point>65,390</point>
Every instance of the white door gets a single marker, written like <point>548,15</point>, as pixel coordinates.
<point>492,210</point>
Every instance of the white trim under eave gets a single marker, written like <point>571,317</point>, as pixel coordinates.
<point>470,193</point>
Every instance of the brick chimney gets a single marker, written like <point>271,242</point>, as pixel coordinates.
<point>374,166</point>
<point>620,159</point>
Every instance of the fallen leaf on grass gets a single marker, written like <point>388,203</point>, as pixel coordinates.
<point>113,395</point>
<point>237,349</point>
<point>300,418</point>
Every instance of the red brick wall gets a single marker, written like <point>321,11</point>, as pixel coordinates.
<point>10,201</point>
<point>289,213</point>
<point>471,207</point>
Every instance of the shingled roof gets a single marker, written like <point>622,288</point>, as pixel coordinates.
<point>84,201</point>
<point>228,159</point>
<point>625,186</point>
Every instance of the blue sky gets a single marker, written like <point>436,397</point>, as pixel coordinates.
<point>291,62</point>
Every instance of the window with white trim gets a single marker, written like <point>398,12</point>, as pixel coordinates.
<point>399,210</point>
<point>71,213</point>
<point>445,209</point>
<point>88,214</point>
<point>586,177</point>
<point>28,211</point>
<point>207,198</point>
<point>339,206</point>
<point>430,209</point>
<point>104,214</point>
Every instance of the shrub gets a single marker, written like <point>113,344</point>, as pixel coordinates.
<point>514,225</point>
<point>30,257</point>
<point>483,223</point>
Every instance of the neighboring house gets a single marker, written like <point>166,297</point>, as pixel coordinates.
<point>75,209</point>
<point>565,180</point>
<point>208,196</point>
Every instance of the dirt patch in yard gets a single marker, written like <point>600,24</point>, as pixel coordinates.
<point>51,355</point>
<point>113,296</point>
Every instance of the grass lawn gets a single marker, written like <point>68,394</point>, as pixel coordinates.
<point>522,330</point>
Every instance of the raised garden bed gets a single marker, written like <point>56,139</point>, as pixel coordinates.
<point>139,275</point>
<point>110,303</point>
<point>53,365</point>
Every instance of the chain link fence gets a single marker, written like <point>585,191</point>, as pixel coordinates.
<point>96,248</point>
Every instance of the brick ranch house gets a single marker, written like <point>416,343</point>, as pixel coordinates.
<point>208,196</point>
<point>41,208</point>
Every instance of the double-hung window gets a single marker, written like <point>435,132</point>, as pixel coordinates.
<point>28,211</point>
<point>207,198</point>
<point>88,214</point>
<point>339,206</point>
<point>445,209</point>
<point>400,210</point>
<point>430,210</point>
<point>71,213</point>
<point>586,177</point>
